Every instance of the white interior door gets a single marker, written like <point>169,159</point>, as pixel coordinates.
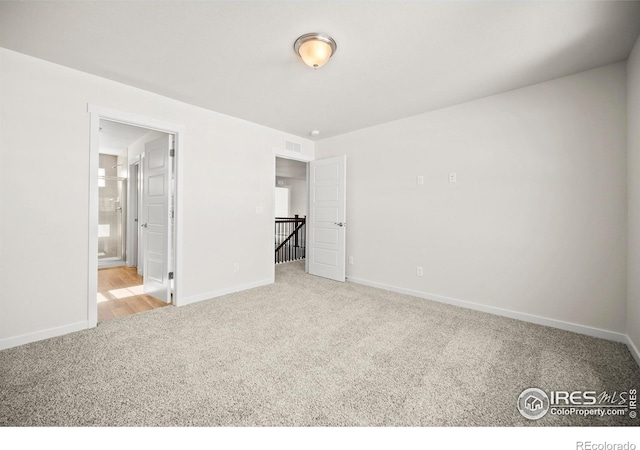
<point>327,217</point>
<point>156,236</point>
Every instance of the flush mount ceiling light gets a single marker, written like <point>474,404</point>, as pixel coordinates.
<point>315,49</point>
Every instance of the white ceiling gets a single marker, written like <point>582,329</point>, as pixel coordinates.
<point>394,58</point>
<point>289,168</point>
<point>116,137</point>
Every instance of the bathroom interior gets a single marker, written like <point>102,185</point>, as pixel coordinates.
<point>112,209</point>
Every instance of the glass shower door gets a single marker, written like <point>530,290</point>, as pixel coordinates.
<point>111,221</point>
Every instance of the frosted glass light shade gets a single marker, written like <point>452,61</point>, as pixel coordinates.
<point>315,53</point>
<point>315,49</point>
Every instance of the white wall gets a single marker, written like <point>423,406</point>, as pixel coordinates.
<point>134,150</point>
<point>633,145</point>
<point>297,195</point>
<point>44,150</point>
<point>536,222</point>
<point>282,201</point>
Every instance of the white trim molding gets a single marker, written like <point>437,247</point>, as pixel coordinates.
<point>525,317</point>
<point>220,292</point>
<point>135,119</point>
<point>23,339</point>
<point>179,131</point>
<point>288,154</point>
<point>633,349</point>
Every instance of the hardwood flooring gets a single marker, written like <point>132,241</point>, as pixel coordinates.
<point>120,294</point>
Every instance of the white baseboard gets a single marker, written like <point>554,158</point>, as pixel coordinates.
<point>40,335</point>
<point>230,290</point>
<point>568,326</point>
<point>16,341</point>
<point>633,349</point>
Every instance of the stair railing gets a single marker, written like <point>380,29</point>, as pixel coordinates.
<point>290,239</point>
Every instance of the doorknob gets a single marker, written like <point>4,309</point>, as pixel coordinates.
<point>340,224</point>
<point>144,225</point>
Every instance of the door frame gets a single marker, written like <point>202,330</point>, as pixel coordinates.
<point>133,206</point>
<point>179,131</point>
<point>284,154</point>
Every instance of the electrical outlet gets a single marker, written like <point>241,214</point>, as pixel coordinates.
<point>350,259</point>
<point>453,177</point>
<point>420,180</point>
<point>419,271</point>
<point>236,267</point>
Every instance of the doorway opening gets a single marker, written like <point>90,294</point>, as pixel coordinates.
<point>290,210</point>
<point>122,225</point>
<point>325,203</point>
<point>113,187</point>
<point>133,262</point>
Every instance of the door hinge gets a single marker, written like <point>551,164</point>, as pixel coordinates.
<point>173,214</point>
<point>171,275</point>
<point>172,152</point>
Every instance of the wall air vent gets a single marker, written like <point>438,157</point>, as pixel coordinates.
<point>292,146</point>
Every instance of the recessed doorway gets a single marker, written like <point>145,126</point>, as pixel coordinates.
<point>290,209</point>
<point>134,219</point>
<point>135,200</point>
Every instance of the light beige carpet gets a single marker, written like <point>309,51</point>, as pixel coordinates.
<point>309,352</point>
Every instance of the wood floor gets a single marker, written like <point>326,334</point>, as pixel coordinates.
<point>120,294</point>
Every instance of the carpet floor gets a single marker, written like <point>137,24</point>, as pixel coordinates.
<point>306,351</point>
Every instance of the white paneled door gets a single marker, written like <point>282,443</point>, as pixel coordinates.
<point>327,189</point>
<point>156,179</point>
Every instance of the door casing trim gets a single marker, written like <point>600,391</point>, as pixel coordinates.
<point>285,154</point>
<point>179,131</point>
